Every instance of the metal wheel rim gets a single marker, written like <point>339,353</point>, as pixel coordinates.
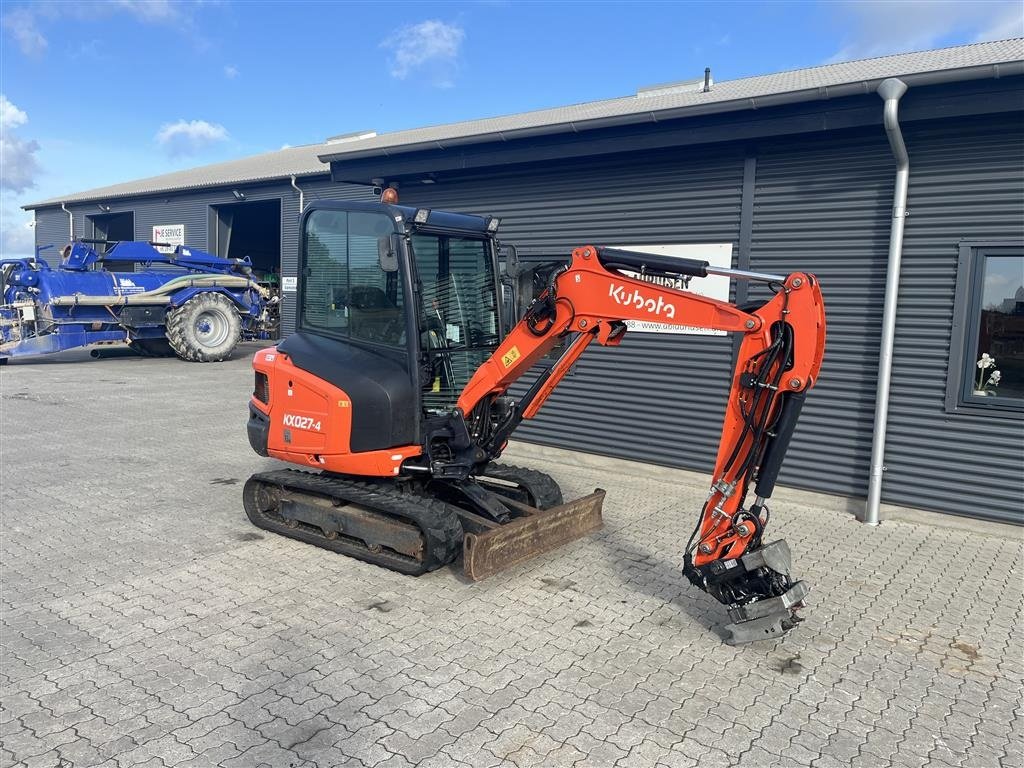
<point>212,328</point>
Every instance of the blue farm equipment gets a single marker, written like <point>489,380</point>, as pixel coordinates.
<point>199,311</point>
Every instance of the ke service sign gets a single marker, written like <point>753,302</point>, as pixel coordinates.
<point>169,236</point>
<point>713,286</point>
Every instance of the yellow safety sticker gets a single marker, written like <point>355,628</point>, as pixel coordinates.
<point>510,357</point>
<point>344,403</point>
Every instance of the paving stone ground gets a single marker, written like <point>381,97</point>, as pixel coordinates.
<point>146,623</point>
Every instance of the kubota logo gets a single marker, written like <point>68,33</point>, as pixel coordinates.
<point>633,298</point>
<point>301,422</point>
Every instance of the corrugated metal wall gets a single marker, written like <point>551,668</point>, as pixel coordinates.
<point>820,204</point>
<point>825,205</point>
<point>966,183</point>
<point>657,398</point>
<point>51,229</point>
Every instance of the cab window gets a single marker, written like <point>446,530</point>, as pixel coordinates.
<point>351,285</point>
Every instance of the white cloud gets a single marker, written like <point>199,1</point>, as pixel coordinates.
<point>152,10</point>
<point>230,71</point>
<point>18,164</point>
<point>186,137</point>
<point>17,234</point>
<point>21,23</point>
<point>10,115</point>
<point>883,27</point>
<point>430,47</point>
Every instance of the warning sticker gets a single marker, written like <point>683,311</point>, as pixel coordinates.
<point>510,357</point>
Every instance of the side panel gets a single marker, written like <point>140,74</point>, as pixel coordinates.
<point>311,421</point>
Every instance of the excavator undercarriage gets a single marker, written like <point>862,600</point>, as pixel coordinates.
<point>412,528</point>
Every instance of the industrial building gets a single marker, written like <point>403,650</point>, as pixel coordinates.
<point>782,172</point>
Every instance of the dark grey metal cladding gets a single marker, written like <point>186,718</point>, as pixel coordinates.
<point>822,205</point>
<point>825,206</point>
<point>51,228</point>
<point>966,183</point>
<point>656,398</point>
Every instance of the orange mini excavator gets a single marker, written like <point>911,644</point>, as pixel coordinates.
<point>395,387</point>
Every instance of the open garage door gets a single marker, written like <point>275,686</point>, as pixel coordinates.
<point>250,229</point>
<point>113,227</point>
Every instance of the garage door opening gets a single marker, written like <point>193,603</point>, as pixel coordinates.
<point>113,227</point>
<point>249,229</point>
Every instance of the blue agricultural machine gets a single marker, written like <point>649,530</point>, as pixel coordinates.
<point>196,305</point>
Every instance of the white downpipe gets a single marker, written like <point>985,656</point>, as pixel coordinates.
<point>302,197</point>
<point>71,222</point>
<point>891,91</point>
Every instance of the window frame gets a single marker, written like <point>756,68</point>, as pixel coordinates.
<point>963,354</point>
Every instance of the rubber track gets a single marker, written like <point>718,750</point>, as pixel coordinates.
<point>437,522</point>
<point>540,486</point>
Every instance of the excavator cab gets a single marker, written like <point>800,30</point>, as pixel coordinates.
<point>397,309</point>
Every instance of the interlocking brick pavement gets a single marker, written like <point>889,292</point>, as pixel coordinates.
<point>146,623</point>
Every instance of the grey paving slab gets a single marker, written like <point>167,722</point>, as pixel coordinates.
<point>144,622</point>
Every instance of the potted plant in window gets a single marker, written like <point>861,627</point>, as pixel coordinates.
<point>987,380</point>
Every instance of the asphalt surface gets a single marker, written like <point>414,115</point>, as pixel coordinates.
<point>146,623</point>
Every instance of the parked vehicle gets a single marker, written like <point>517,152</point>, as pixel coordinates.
<point>187,302</point>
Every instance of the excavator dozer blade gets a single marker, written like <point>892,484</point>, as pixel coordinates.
<point>484,554</point>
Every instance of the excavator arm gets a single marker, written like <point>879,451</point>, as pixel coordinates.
<point>590,300</point>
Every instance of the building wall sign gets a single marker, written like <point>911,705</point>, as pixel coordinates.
<point>170,235</point>
<point>715,286</point>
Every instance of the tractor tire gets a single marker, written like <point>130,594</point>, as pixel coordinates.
<point>151,347</point>
<point>205,329</point>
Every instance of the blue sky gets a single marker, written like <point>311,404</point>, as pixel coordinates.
<point>95,93</point>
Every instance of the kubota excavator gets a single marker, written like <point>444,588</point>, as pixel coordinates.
<point>395,388</point>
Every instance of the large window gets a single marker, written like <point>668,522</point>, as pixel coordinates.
<point>460,313</point>
<point>987,353</point>
<point>351,284</point>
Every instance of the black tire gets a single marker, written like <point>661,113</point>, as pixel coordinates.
<point>542,490</point>
<point>152,347</point>
<point>205,329</point>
